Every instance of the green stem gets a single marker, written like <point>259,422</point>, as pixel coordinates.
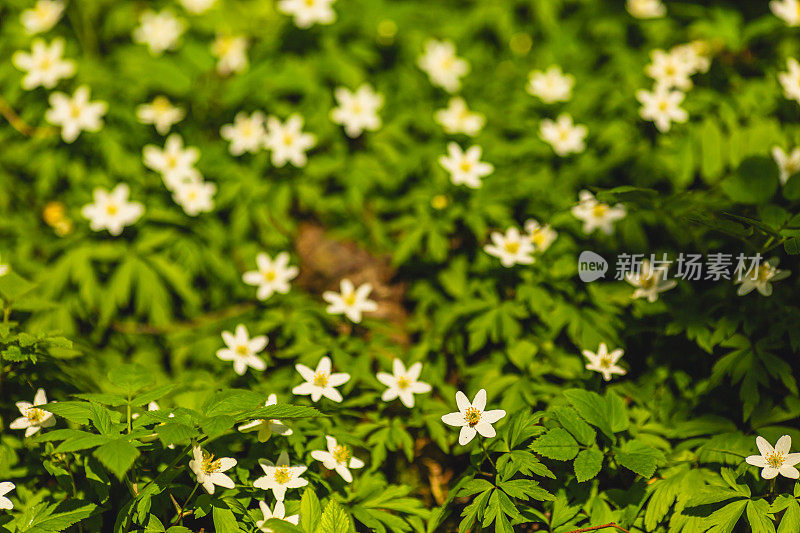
<point>179,517</point>
<point>486,453</point>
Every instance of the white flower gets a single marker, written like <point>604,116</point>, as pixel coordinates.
<point>774,461</point>
<point>457,118</point>
<point>111,210</point>
<point>197,7</point>
<point>564,136</point>
<point>596,215</point>
<point>75,114</point>
<point>605,362</point>
<point>266,427</point>
<point>443,67</point>
<point>786,10</point>
<point>403,383</point>
<point>44,65</point>
<point>44,15</point>
<point>174,163</point>
<point>152,406</point>
<point>759,277</point>
<point>280,476</point>
<point>788,163</point>
<point>339,458</point>
<point>511,248</point>
<point>649,281</point>
<point>195,197</point>
<point>4,268</point>
<point>271,276</point>
<point>209,471</point>
<point>662,106</point>
<point>5,488</point>
<point>472,418</point>
<point>542,236</point>
<point>160,113</point>
<point>465,167</point>
<point>231,53</point>
<point>350,302</point>
<point>550,86</point>
<point>357,111</point>
<point>306,13</point>
<point>287,141</point>
<point>242,350</point>
<point>320,382</point>
<point>246,134</point>
<point>33,418</point>
<point>670,69</point>
<point>646,9</point>
<point>694,55</point>
<point>790,80</point>
<point>278,513</point>
<point>159,31</point>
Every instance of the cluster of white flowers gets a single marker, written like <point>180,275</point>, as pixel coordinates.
<point>514,247</point>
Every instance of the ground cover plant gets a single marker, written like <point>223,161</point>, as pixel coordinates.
<point>367,265</point>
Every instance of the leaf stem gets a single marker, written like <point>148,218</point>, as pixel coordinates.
<point>179,516</point>
<point>595,528</point>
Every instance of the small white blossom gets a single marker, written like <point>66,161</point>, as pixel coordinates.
<point>44,15</point>
<point>662,106</point>
<point>760,277</point>
<point>465,167</point>
<point>550,86</point>
<point>33,418</point>
<point>694,55</point>
<point>231,53</point>
<point>4,268</point>
<point>649,281</point>
<point>280,476</point>
<point>5,488</point>
<point>511,248</point>
<point>75,114</point>
<point>350,302</point>
<point>357,111</point>
<point>338,457</point>
<point>174,163</point>
<point>271,276</point>
<point>242,350</point>
<point>597,215</point>
<point>790,80</point>
<point>160,113</point>
<point>287,141</point>
<point>246,134</point>
<point>542,236</point>
<point>209,471</point>
<point>788,163</point>
<point>777,460</point>
<point>786,10</point>
<point>320,382</point>
<point>472,418</point>
<point>159,31</point>
<point>44,65</point>
<point>111,210</point>
<point>266,426</point>
<point>306,13</point>
<point>564,136</point>
<point>670,69</point>
<point>457,118</point>
<point>604,362</point>
<point>279,513</point>
<point>442,66</point>
<point>646,9</point>
<point>196,7</point>
<point>403,383</point>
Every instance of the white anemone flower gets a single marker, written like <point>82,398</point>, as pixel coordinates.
<point>457,118</point>
<point>209,471</point>
<point>649,281</point>
<point>541,235</point>
<point>512,248</point>
<point>442,66</point>
<point>44,15</point>
<point>320,382</point>
<point>272,275</point>
<point>280,476</point>
<point>33,418</point>
<point>242,350</point>
<point>777,460</point>
<point>669,69</point>
<point>465,167</point>
<point>246,134</point>
<point>76,113</point>
<point>551,85</point>
<point>159,31</point>
<point>605,362</point>
<point>174,162</point>
<point>472,418</point>
<point>788,162</point>
<point>760,277</point>
<point>267,426</point>
<point>306,13</point>
<point>338,457</point>
<point>287,141</point>
<point>5,488</point>
<point>278,513</point>
<point>790,80</point>
<point>646,9</point>
<point>357,110</point>
<point>160,113</point>
<point>350,302</point>
<point>563,135</point>
<point>231,53</point>
<point>662,107</point>
<point>111,210</point>
<point>403,383</point>
<point>44,65</point>
<point>786,10</point>
<point>195,197</point>
<point>597,215</point>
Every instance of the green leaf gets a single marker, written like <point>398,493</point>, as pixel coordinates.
<point>639,457</point>
<point>556,444</point>
<point>759,517</point>
<point>232,402</point>
<point>334,519</point>
<point>215,426</point>
<point>63,516</point>
<point>587,464</point>
<point>12,286</point>
<point>310,511</point>
<point>790,520</point>
<point>575,425</point>
<point>754,182</point>
<point>224,519</point>
<point>130,378</point>
<point>175,433</point>
<point>592,407</point>
<point>118,456</point>
<point>152,395</point>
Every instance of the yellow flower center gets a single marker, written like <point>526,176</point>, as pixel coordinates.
<point>160,105</point>
<point>282,475</point>
<point>663,105</point>
<point>341,454</point>
<point>321,379</point>
<point>764,273</point>
<point>112,209</point>
<point>605,361</point>
<point>538,238</point>
<point>775,459</point>
<point>35,415</point>
<point>439,201</point>
<point>269,275</point>
<point>472,416</point>
<point>403,382</point>
<point>465,166</point>
<point>288,139</point>
<point>647,281</point>
<point>350,300</point>
<point>192,195</point>
<point>172,161</point>
<point>74,110</point>
<point>242,350</point>
<point>511,247</point>
<point>599,210</point>
<point>209,464</point>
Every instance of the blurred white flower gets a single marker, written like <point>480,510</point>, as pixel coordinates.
<point>287,141</point>
<point>597,215</point>
<point>550,86</point>
<point>33,418</point>
<point>443,67</point>
<point>242,350</point>
<point>472,418</point>
<point>542,236</point>
<point>266,426</point>
<point>279,513</point>
<point>786,10</point>
<point>403,383</point>
<point>338,457</point>
<point>231,53</point>
<point>271,276</point>
<point>662,107</point>
<point>670,69</point>
<point>75,114</point>
<point>777,460</point>
<point>280,476</point>
<point>646,9</point>
<point>511,248</point>
<point>564,136</point>
<point>604,362</point>
<point>694,55</point>
<point>4,268</point>
<point>246,134</point>
<point>44,15</point>
<point>111,210</point>
<point>196,7</point>
<point>465,167</point>
<point>790,80</point>
<point>350,301</point>
<point>760,277</point>
<point>5,488</point>
<point>160,113</point>
<point>788,163</point>
<point>357,111</point>
<point>44,65</point>
<point>649,281</point>
<point>159,31</point>
<point>320,382</point>
<point>306,13</point>
<point>174,163</point>
<point>209,471</point>
<point>457,118</point>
